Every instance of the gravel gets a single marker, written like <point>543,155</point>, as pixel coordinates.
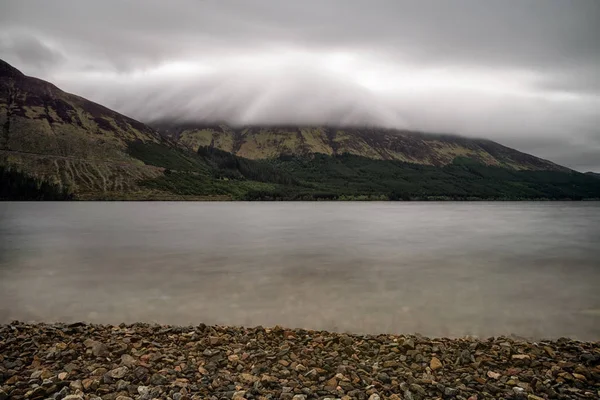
<point>140,361</point>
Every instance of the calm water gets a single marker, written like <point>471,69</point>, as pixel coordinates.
<point>440,269</point>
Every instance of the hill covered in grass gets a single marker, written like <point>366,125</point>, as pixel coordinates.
<point>58,145</point>
<point>67,140</point>
<point>351,177</point>
<point>268,142</point>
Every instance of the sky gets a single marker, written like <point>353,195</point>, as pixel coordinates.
<point>525,73</point>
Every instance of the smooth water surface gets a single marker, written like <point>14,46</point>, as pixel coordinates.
<point>440,269</point>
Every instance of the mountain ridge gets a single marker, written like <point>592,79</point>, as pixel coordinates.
<point>57,145</point>
<point>593,174</point>
<point>66,139</point>
<point>272,141</point>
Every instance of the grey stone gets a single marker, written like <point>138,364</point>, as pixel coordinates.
<point>36,393</point>
<point>518,390</point>
<point>418,389</point>
<point>465,357</point>
<point>141,373</point>
<point>118,373</point>
<point>100,350</point>
<point>36,374</point>
<point>70,367</point>
<point>143,390</point>
<point>158,380</point>
<point>383,377</point>
<point>128,360</point>
<point>60,395</point>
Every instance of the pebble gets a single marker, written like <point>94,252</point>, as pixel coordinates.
<point>518,390</point>
<point>128,360</point>
<point>118,373</point>
<point>493,375</point>
<point>61,393</point>
<point>98,349</point>
<point>534,397</point>
<point>579,376</point>
<point>158,379</point>
<point>143,390</point>
<point>36,374</point>
<point>435,364</point>
<point>90,384</point>
<point>145,361</point>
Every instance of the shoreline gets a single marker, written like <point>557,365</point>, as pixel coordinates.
<point>200,199</point>
<point>142,361</point>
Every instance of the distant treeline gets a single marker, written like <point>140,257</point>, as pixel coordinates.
<point>228,165</point>
<point>15,185</point>
<point>347,177</point>
<point>213,173</point>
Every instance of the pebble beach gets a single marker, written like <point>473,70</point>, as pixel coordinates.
<point>91,362</point>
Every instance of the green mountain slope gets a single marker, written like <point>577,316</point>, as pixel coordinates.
<point>56,145</point>
<point>14,185</point>
<point>350,177</point>
<point>381,144</point>
<point>66,139</point>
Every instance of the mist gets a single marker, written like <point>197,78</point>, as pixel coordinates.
<point>524,74</point>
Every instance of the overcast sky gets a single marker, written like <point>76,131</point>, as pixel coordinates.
<point>525,73</point>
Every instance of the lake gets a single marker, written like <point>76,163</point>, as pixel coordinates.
<point>530,269</point>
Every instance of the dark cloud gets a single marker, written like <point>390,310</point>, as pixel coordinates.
<point>534,34</point>
<point>518,71</point>
<point>29,50</point>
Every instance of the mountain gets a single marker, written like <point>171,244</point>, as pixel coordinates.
<point>55,145</point>
<point>66,139</point>
<point>376,143</point>
<point>593,174</point>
